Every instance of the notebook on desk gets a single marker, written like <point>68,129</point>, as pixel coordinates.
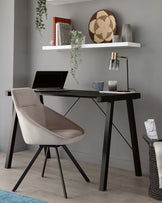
<point>49,81</point>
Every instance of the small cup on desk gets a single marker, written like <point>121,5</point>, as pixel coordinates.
<point>112,85</point>
<point>98,85</point>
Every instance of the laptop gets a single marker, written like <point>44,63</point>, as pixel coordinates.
<point>49,81</point>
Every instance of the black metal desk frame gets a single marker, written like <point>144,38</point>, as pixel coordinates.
<point>101,97</point>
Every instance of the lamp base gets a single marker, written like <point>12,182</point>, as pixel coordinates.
<point>118,92</point>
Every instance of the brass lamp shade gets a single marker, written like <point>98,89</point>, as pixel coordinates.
<point>114,56</point>
<point>114,62</point>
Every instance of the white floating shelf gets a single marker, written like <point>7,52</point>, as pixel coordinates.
<point>62,2</point>
<point>101,45</point>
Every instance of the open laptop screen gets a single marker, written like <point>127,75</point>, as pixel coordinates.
<point>49,79</point>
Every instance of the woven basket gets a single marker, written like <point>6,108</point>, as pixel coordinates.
<point>154,190</point>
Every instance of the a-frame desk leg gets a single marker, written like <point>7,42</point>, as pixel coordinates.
<point>11,141</point>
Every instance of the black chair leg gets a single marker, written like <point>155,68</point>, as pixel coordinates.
<point>61,173</point>
<point>28,168</point>
<point>49,153</point>
<point>76,163</point>
<point>45,161</point>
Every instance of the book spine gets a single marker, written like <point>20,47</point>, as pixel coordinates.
<point>57,34</point>
<point>54,31</point>
<point>56,20</point>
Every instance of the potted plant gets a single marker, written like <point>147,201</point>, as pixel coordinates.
<point>41,10</point>
<point>75,58</point>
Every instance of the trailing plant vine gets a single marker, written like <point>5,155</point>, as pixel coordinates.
<point>76,43</point>
<point>41,10</point>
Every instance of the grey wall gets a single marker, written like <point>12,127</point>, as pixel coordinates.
<point>13,55</point>
<point>145,70</point>
<point>6,64</point>
<point>20,44</point>
<point>145,74</point>
<point>20,68</point>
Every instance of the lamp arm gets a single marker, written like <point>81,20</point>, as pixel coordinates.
<point>124,57</point>
<point>127,74</point>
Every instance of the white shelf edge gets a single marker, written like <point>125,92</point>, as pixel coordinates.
<point>101,45</point>
<point>62,2</point>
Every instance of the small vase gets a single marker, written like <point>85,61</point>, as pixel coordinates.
<point>126,34</point>
<point>83,42</point>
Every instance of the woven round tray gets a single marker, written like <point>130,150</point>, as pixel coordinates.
<point>102,26</point>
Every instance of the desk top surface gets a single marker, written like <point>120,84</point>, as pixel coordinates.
<point>101,97</point>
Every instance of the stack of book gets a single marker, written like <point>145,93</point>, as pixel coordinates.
<point>61,31</point>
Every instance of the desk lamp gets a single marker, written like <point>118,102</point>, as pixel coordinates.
<point>114,65</point>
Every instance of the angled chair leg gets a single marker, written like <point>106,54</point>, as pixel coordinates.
<point>49,153</point>
<point>28,168</point>
<point>75,163</point>
<point>45,161</point>
<point>61,173</point>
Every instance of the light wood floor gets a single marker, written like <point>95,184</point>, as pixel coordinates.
<point>123,186</point>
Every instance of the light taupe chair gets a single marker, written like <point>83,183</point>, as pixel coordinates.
<point>44,127</point>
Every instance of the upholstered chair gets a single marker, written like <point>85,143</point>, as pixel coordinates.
<point>46,128</point>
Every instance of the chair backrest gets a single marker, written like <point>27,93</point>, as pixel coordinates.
<point>24,97</point>
<point>26,100</point>
<point>27,105</point>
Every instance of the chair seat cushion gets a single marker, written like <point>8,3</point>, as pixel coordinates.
<point>67,133</point>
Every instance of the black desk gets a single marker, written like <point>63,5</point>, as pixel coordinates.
<point>101,97</point>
